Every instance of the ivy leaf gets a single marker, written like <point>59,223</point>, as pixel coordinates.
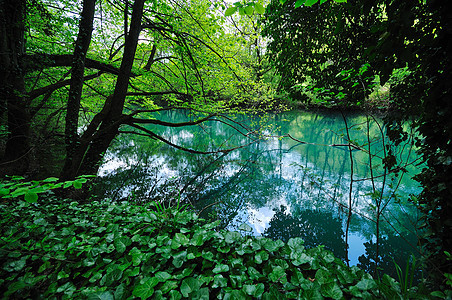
<point>175,295</point>
<point>278,274</point>
<point>50,179</point>
<point>219,268</point>
<point>77,184</point>
<point>179,240</point>
<point>231,236</point>
<point>121,243</point>
<point>219,281</point>
<point>366,284</point>
<point>254,290</point>
<point>179,259</point>
<point>137,256</point>
<point>146,289</point>
<point>230,11</point>
<point>189,285</point>
<point>163,276</point>
<point>31,197</point>
<point>101,296</point>
<point>331,290</point>
<point>299,3</point>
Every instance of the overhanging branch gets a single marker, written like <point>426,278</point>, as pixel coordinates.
<point>33,62</point>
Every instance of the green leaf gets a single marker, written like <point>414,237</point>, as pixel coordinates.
<point>278,274</point>
<point>145,289</point>
<point>31,197</point>
<point>331,290</point>
<point>4,191</point>
<point>219,281</point>
<point>249,10</point>
<point>230,11</point>
<point>323,276</point>
<point>261,256</point>
<point>121,243</point>
<point>242,11</point>
<point>366,284</point>
<point>282,1</point>
<point>179,259</point>
<point>340,1</point>
<point>101,296</point>
<point>163,276</point>
<point>50,179</point>
<point>77,184</point>
<point>137,256</point>
<point>311,2</point>
<point>231,237</point>
<point>189,285</point>
<point>254,290</point>
<point>175,295</point>
<point>169,285</point>
<point>179,240</point>
<point>220,268</point>
<point>296,244</point>
<point>260,10</point>
<point>299,3</point>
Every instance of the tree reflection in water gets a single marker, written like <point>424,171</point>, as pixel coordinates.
<point>314,227</point>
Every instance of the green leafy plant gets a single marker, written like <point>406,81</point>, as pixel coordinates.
<point>16,187</point>
<point>108,250</point>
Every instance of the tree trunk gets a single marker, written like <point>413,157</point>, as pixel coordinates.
<point>88,155</point>
<point>13,98</point>
<point>76,85</point>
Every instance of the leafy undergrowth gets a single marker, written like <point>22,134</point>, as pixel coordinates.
<point>61,249</point>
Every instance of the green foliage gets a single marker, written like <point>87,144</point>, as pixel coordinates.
<point>121,250</point>
<point>17,187</point>
<point>249,8</point>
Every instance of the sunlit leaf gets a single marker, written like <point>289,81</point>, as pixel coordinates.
<point>220,268</point>
<point>249,10</point>
<point>310,2</point>
<point>299,3</point>
<point>230,11</point>
<point>260,9</point>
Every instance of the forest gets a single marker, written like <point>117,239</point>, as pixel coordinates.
<point>201,149</point>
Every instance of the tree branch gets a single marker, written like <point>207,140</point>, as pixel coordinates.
<point>39,61</point>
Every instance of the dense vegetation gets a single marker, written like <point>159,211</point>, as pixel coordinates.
<point>108,250</point>
<point>76,75</point>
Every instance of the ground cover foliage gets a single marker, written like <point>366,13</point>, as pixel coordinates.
<point>57,248</point>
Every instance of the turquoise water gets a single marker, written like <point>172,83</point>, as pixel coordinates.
<point>294,181</point>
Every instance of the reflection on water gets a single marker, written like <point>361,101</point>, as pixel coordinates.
<point>281,187</point>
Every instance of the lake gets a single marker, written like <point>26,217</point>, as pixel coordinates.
<point>296,179</point>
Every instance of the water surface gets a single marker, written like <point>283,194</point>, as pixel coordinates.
<point>281,187</point>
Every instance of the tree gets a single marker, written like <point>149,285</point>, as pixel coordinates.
<point>171,54</point>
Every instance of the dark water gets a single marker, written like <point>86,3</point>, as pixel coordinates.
<point>281,187</point>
